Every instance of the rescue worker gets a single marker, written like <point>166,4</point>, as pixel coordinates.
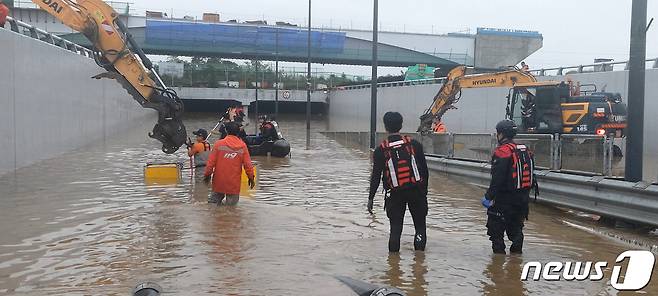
<point>268,130</point>
<point>439,127</point>
<point>227,159</point>
<point>525,67</point>
<point>506,200</point>
<point>4,12</point>
<point>200,149</point>
<point>400,163</point>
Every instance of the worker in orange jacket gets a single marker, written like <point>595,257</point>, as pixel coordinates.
<point>439,127</point>
<point>227,158</point>
<point>4,12</point>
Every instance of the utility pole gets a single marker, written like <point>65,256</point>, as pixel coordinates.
<point>635,129</point>
<point>276,77</point>
<point>373,81</point>
<point>308,82</point>
<point>256,103</point>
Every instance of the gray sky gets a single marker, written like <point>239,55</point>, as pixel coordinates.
<point>575,31</point>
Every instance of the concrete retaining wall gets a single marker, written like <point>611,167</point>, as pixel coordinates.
<point>479,109</point>
<point>50,105</point>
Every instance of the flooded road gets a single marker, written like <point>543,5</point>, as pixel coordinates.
<point>85,223</point>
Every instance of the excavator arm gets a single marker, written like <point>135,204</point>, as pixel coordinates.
<point>456,80</point>
<point>116,51</point>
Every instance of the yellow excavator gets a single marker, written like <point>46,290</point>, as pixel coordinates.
<point>546,107</point>
<point>117,52</point>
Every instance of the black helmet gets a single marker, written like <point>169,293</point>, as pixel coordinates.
<point>507,128</point>
<point>201,133</point>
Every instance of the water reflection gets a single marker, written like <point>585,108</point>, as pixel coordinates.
<point>502,276</point>
<point>413,282</point>
<point>226,230</point>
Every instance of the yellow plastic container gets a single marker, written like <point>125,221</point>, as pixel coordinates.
<point>163,173</point>
<point>244,183</point>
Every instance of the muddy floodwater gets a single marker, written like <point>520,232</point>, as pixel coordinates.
<point>85,223</point>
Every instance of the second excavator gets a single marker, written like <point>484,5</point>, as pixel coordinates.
<point>545,107</point>
<point>116,51</point>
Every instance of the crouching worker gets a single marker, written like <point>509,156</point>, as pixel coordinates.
<point>227,158</point>
<point>400,163</point>
<point>506,200</point>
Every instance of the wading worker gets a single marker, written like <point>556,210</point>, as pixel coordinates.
<point>506,200</point>
<point>227,159</point>
<point>200,149</point>
<point>400,163</point>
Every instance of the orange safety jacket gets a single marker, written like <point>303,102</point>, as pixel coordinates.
<point>227,158</point>
<point>440,128</point>
<point>4,12</point>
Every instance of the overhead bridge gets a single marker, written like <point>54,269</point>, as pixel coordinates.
<point>242,41</point>
<point>489,48</point>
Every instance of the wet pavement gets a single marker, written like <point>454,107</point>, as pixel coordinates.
<point>85,223</point>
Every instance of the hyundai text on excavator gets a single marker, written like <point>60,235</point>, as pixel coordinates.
<point>545,107</point>
<point>117,52</point>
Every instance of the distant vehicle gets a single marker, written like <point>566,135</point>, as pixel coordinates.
<point>285,24</point>
<point>419,71</point>
<point>256,22</point>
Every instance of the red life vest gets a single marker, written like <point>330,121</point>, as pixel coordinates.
<point>400,169</point>
<point>523,166</point>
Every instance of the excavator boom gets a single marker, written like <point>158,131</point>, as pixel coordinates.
<point>456,80</point>
<point>117,52</point>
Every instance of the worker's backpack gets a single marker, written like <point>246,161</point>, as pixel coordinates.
<point>400,169</point>
<point>523,166</point>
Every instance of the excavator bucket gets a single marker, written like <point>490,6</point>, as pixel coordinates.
<point>170,129</point>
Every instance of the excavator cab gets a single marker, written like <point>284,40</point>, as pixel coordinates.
<point>551,107</point>
<point>536,107</point>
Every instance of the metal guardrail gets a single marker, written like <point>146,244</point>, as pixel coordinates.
<point>587,68</point>
<point>395,83</point>
<point>635,202</point>
<point>119,6</point>
<point>36,33</point>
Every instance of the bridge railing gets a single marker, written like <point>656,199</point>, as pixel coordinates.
<point>395,83</point>
<point>589,68</point>
<point>119,6</point>
<point>36,33</point>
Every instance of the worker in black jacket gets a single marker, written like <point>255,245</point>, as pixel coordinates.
<point>400,163</point>
<point>506,200</point>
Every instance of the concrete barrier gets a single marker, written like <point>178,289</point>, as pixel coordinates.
<point>50,104</point>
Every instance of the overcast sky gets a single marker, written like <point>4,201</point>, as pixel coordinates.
<point>575,31</point>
